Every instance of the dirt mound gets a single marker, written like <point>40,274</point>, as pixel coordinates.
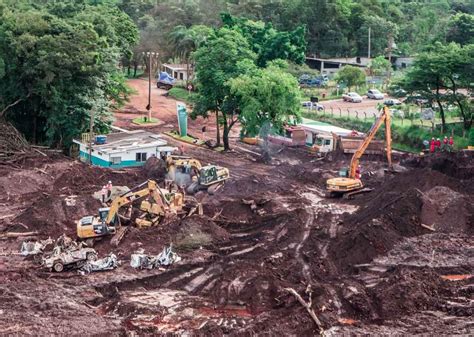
<point>401,208</point>
<point>446,210</point>
<point>409,291</point>
<point>455,164</point>
<point>155,168</point>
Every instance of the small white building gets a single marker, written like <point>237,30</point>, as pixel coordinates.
<point>123,149</point>
<point>177,71</point>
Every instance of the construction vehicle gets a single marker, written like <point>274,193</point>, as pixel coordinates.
<point>351,184</point>
<point>209,177</point>
<point>156,203</point>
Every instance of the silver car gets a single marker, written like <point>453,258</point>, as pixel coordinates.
<point>374,94</point>
<point>352,97</point>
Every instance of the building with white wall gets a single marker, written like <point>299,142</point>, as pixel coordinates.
<point>124,149</point>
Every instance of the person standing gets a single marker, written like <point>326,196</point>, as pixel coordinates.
<point>203,132</point>
<point>103,193</point>
<point>358,172</point>
<point>109,189</point>
<point>445,143</point>
<point>451,143</point>
<point>432,145</point>
<point>438,145</point>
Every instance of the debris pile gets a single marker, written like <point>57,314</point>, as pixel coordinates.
<point>140,260</point>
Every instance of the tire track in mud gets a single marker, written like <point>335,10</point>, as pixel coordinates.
<point>307,230</point>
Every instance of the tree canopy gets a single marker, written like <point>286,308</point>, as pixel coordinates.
<point>59,62</point>
<point>350,76</point>
<point>233,51</point>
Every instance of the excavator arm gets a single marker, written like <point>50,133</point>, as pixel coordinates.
<point>127,198</point>
<point>383,118</point>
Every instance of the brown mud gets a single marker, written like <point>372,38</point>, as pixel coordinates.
<point>378,264</point>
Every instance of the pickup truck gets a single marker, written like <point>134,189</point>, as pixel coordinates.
<point>164,81</point>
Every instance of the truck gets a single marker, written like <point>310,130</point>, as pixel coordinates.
<point>165,81</point>
<point>324,138</point>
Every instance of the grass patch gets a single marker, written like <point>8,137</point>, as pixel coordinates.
<point>130,75</point>
<point>182,94</point>
<point>187,139</point>
<point>145,120</point>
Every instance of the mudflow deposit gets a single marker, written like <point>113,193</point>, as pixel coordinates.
<point>397,260</point>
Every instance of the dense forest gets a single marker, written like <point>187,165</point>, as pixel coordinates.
<point>62,60</point>
<point>334,27</point>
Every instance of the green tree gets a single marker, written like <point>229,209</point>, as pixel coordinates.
<point>379,65</point>
<point>216,62</point>
<point>60,62</point>
<point>186,40</point>
<point>439,73</point>
<point>266,96</point>
<point>461,29</point>
<point>350,76</point>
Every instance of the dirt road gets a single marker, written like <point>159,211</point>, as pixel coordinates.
<point>164,109</point>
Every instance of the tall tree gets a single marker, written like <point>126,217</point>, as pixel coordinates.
<point>60,62</point>
<point>350,76</point>
<point>266,96</point>
<point>215,65</point>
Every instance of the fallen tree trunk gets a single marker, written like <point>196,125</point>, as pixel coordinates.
<point>308,308</point>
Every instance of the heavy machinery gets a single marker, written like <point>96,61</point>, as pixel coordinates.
<point>209,177</point>
<point>156,203</point>
<point>351,185</point>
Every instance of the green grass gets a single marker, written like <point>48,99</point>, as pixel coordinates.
<point>405,137</point>
<point>141,120</point>
<point>182,94</point>
<point>140,73</point>
<point>187,139</point>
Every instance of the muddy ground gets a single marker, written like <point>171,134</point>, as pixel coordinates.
<point>385,262</point>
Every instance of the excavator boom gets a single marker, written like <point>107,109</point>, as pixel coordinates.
<point>383,118</point>
<point>351,185</point>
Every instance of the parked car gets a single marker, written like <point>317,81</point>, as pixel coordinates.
<point>374,94</point>
<point>313,106</point>
<point>396,91</point>
<point>352,97</point>
<point>397,113</point>
<point>392,102</point>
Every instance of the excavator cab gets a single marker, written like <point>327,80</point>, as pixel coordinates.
<point>208,174</point>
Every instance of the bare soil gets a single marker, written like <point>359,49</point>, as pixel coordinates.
<point>398,260</point>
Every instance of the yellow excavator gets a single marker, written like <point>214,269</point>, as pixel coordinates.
<point>209,177</point>
<point>156,203</point>
<point>351,184</point>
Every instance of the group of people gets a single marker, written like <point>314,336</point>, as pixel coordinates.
<point>437,146</point>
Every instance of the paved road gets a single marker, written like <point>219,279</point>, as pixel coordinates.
<point>338,106</point>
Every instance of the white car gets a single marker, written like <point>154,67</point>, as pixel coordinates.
<point>352,97</point>
<point>374,94</point>
<point>313,106</point>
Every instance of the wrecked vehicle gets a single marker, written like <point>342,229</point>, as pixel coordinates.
<point>142,261</point>
<point>75,256</point>
<point>29,248</point>
<point>107,263</point>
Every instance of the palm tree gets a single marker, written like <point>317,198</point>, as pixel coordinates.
<point>186,40</point>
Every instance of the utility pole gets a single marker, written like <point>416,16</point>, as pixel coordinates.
<point>389,50</point>
<point>91,134</point>
<point>368,51</point>
<point>150,55</point>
